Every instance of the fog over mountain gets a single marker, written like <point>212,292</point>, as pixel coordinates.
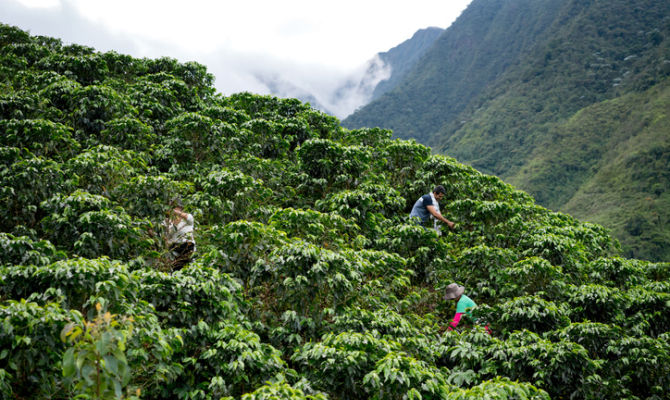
<point>344,95</point>
<point>339,96</point>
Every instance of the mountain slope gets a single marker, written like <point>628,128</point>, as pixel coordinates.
<point>585,54</point>
<point>537,130</point>
<point>481,44</point>
<point>402,58</point>
<point>595,51</point>
<point>627,188</point>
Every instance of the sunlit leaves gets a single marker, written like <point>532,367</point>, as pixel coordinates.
<point>339,362</point>
<point>562,369</point>
<point>41,137</point>
<point>282,390</point>
<point>323,229</point>
<point>269,107</point>
<point>500,388</point>
<point>193,294</point>
<point>529,312</point>
<point>93,106</point>
<point>226,196</point>
<point>84,68</point>
<point>149,196</point>
<point>192,138</point>
<point>398,376</point>
<point>78,280</point>
<point>24,185</point>
<point>235,247</point>
<point>235,359</point>
<point>329,164</point>
<point>101,169</point>
<point>127,133</point>
<point>90,226</point>
<point>96,363</point>
<point>642,364</point>
<point>595,303</point>
<point>530,276</point>
<point>21,106</point>
<point>24,251</point>
<point>307,279</point>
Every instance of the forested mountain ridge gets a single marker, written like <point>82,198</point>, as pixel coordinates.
<point>609,164</point>
<point>488,37</point>
<point>309,281</point>
<point>403,57</point>
<point>586,53</point>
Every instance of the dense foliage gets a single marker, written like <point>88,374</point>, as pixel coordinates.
<point>309,281</point>
<point>567,100</point>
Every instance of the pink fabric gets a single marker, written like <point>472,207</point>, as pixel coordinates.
<point>455,321</point>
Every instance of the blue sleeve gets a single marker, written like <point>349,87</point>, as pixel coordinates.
<point>427,200</point>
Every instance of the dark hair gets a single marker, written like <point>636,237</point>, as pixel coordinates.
<point>440,189</point>
<point>176,203</point>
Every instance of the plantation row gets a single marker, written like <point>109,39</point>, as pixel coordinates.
<point>309,280</point>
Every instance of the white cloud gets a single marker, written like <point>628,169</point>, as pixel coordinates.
<point>40,3</point>
<point>342,34</point>
<point>314,46</point>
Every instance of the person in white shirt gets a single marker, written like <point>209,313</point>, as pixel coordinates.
<point>179,228</point>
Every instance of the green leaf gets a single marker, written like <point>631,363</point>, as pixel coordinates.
<point>69,367</point>
<point>111,364</point>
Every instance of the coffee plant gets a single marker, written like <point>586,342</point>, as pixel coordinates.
<point>95,365</point>
<point>309,280</point>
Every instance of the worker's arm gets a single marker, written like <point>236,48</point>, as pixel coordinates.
<point>180,213</point>
<point>454,323</point>
<point>436,214</point>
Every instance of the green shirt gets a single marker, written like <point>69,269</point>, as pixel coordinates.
<point>465,305</point>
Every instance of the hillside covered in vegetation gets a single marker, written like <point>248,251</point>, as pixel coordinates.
<point>309,281</point>
<point>565,99</point>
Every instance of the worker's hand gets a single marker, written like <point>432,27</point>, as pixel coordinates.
<point>178,213</point>
<point>450,225</point>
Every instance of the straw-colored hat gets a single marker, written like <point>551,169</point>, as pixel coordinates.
<point>453,291</point>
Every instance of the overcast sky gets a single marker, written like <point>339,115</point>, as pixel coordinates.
<point>313,44</point>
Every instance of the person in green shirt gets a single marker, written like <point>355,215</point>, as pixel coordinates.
<point>464,304</point>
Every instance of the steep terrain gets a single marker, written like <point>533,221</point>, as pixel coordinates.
<point>539,69</point>
<point>309,281</point>
<point>487,39</point>
<point>609,164</point>
<point>402,58</point>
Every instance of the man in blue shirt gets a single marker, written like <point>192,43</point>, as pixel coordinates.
<point>427,207</point>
